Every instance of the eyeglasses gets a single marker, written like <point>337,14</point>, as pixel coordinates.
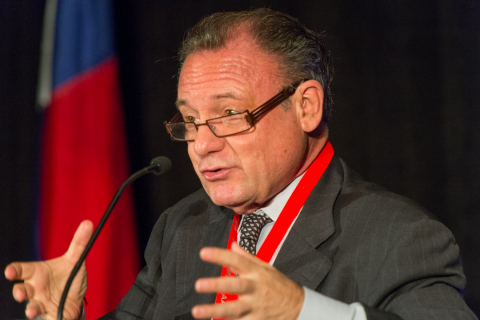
<point>228,125</point>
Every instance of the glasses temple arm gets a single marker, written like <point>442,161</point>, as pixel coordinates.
<point>275,101</point>
<point>176,118</point>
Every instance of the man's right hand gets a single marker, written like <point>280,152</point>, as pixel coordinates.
<point>43,281</point>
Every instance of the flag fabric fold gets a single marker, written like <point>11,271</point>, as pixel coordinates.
<point>84,151</point>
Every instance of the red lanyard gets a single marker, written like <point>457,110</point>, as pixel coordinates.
<point>226,272</point>
<point>286,217</point>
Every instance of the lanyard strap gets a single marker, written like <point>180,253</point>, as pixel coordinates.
<point>286,217</point>
<point>226,272</point>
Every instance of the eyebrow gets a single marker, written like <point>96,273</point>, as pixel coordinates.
<point>180,102</point>
<point>226,95</point>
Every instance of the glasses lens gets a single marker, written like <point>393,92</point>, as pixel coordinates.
<point>224,126</point>
<point>229,125</point>
<point>182,130</point>
<point>190,131</point>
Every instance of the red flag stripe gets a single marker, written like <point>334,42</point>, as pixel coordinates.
<point>83,163</point>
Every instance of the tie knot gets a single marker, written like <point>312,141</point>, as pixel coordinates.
<point>252,225</point>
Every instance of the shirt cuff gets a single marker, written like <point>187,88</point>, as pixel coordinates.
<point>320,307</point>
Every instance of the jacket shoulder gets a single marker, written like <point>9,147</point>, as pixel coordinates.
<point>369,198</point>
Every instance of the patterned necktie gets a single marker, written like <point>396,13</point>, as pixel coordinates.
<point>252,225</point>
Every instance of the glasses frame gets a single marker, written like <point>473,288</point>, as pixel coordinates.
<point>251,117</point>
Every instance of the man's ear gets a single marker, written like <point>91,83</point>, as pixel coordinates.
<point>310,104</point>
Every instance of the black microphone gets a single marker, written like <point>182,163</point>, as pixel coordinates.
<point>157,166</point>
<point>161,165</point>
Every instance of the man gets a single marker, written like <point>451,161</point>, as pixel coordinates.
<point>341,248</point>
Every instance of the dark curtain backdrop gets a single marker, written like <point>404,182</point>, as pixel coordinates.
<point>407,107</point>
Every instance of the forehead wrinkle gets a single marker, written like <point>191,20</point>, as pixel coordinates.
<point>199,78</point>
<point>234,68</point>
<point>226,95</point>
<point>235,89</point>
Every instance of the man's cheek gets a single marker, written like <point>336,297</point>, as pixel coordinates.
<point>193,159</point>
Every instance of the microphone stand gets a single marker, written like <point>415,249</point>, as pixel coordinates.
<point>157,166</point>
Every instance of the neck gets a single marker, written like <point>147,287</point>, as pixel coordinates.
<point>315,145</point>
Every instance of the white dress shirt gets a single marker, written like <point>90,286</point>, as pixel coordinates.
<point>315,305</point>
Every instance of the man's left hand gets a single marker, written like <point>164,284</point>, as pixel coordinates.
<point>263,291</point>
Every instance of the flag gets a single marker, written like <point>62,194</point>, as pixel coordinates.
<point>83,153</point>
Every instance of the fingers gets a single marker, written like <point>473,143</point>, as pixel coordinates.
<point>232,285</point>
<point>34,308</point>
<point>44,280</point>
<point>22,291</point>
<point>80,240</point>
<point>237,259</point>
<point>20,270</point>
<point>11,272</point>
<point>262,290</point>
<point>231,309</point>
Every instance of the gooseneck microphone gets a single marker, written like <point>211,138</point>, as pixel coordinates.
<point>157,166</point>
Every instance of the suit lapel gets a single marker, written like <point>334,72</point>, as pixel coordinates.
<point>299,258</point>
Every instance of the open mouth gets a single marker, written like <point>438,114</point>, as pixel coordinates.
<point>215,174</point>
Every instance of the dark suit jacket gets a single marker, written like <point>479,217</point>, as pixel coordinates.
<point>353,241</point>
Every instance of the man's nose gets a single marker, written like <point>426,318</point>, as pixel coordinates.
<point>206,142</point>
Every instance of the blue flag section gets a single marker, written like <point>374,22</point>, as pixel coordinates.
<point>83,37</point>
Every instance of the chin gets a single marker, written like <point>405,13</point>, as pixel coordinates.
<point>228,196</point>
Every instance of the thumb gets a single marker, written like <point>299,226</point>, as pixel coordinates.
<point>80,239</point>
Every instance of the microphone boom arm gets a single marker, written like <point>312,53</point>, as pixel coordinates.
<point>158,166</point>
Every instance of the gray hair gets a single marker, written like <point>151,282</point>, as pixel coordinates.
<point>300,52</point>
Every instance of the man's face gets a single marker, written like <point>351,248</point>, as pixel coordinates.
<point>243,171</point>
